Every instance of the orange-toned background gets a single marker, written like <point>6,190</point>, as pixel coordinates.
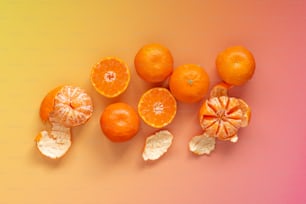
<point>47,43</point>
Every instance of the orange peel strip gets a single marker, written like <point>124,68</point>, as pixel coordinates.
<point>157,145</point>
<point>54,143</point>
<point>72,106</point>
<point>202,144</point>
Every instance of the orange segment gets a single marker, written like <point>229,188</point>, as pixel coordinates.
<point>220,89</point>
<point>247,113</point>
<point>110,77</point>
<point>189,83</point>
<point>157,107</point>
<point>222,116</point>
<point>235,65</point>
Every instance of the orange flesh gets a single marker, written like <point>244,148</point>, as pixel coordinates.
<point>47,105</point>
<point>221,117</point>
<point>72,106</point>
<point>110,77</point>
<point>157,107</point>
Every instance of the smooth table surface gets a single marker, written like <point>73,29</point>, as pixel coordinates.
<point>47,43</point>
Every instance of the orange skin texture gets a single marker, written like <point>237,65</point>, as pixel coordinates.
<point>47,105</point>
<point>221,117</point>
<point>119,122</point>
<point>189,83</point>
<point>235,65</point>
<point>154,63</point>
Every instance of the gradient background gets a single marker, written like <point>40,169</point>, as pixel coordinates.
<point>47,43</point>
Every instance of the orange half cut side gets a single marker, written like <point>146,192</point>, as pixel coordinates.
<point>157,107</point>
<point>110,77</point>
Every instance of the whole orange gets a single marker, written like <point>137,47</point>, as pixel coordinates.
<point>154,63</point>
<point>189,83</point>
<point>235,65</point>
<point>119,122</point>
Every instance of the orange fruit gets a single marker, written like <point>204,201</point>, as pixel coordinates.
<point>67,105</point>
<point>189,83</point>
<point>119,122</point>
<point>63,107</point>
<point>154,63</point>
<point>157,107</point>
<point>235,65</point>
<point>221,117</point>
<point>110,77</point>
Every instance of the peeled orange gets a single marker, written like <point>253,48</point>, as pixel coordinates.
<point>157,107</point>
<point>62,108</point>
<point>119,122</point>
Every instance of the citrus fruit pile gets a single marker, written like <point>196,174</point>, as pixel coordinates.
<point>220,115</point>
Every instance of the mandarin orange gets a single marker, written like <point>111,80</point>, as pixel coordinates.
<point>119,122</point>
<point>189,83</point>
<point>235,65</point>
<point>154,63</point>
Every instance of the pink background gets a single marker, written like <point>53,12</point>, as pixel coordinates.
<point>44,44</point>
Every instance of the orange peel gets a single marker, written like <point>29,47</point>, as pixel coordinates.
<point>63,108</point>
<point>202,144</point>
<point>110,77</point>
<point>157,145</point>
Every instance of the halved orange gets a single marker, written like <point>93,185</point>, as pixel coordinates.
<point>235,65</point>
<point>221,117</point>
<point>110,77</point>
<point>157,107</point>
